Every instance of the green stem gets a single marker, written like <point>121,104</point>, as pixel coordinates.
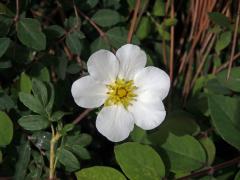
<point>55,138</point>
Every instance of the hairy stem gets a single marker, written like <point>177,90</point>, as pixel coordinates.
<point>54,140</point>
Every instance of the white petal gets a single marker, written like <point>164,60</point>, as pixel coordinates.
<point>131,59</point>
<point>88,93</point>
<point>115,123</point>
<point>148,115</point>
<point>154,80</point>
<point>103,66</point>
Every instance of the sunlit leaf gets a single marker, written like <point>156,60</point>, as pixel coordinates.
<point>99,172</point>
<point>139,161</point>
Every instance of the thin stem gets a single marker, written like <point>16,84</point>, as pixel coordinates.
<point>234,41</point>
<point>55,138</point>
<point>133,21</point>
<point>163,40</point>
<point>100,31</point>
<point>172,43</point>
<point>82,115</point>
<point>77,25</point>
<point>227,63</point>
<point>211,170</point>
<point>17,11</point>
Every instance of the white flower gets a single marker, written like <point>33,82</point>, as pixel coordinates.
<point>130,92</point>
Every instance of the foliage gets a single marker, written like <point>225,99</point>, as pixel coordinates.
<point>44,47</point>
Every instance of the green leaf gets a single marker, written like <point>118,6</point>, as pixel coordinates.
<point>0,156</point>
<point>237,176</point>
<point>223,41</point>
<point>170,22</point>
<point>81,139</point>
<point>4,44</point>
<point>163,32</point>
<point>31,102</point>
<point>33,122</point>
<point>182,153</point>
<point>74,68</point>
<point>80,151</point>
<point>62,67</point>
<point>225,117</point>
<point>219,19</point>
<point>66,128</point>
<point>177,122</point>
<point>74,43</point>
<point>98,44</point>
<point>5,24</point>
<point>4,10</point>
<point>139,135</point>
<point>6,129</point>
<point>144,28</point>
<point>5,64</point>
<point>44,75</point>
<point>54,32</point>
<point>25,83</point>
<point>51,95</point>
<point>159,8</point>
<point>6,102</point>
<point>117,36</point>
<point>139,161</point>
<point>233,82</point>
<point>58,115</point>
<point>30,34</point>
<point>106,17</point>
<point>215,87</point>
<point>41,139</point>
<point>24,154</point>
<point>210,149</point>
<point>99,172</point>
<point>40,91</point>
<point>68,159</point>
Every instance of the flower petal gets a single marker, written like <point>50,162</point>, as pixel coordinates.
<point>154,80</point>
<point>88,93</point>
<point>148,115</point>
<point>131,59</point>
<point>103,66</point>
<point>115,123</point>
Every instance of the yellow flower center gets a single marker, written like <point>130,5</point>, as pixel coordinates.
<point>121,92</point>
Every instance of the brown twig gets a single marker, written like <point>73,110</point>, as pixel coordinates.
<point>211,170</point>
<point>82,115</point>
<point>234,41</point>
<point>227,63</point>
<point>133,21</point>
<point>99,30</point>
<point>201,65</point>
<point>17,11</point>
<point>171,43</point>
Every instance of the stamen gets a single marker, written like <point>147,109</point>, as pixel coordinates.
<point>121,92</point>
